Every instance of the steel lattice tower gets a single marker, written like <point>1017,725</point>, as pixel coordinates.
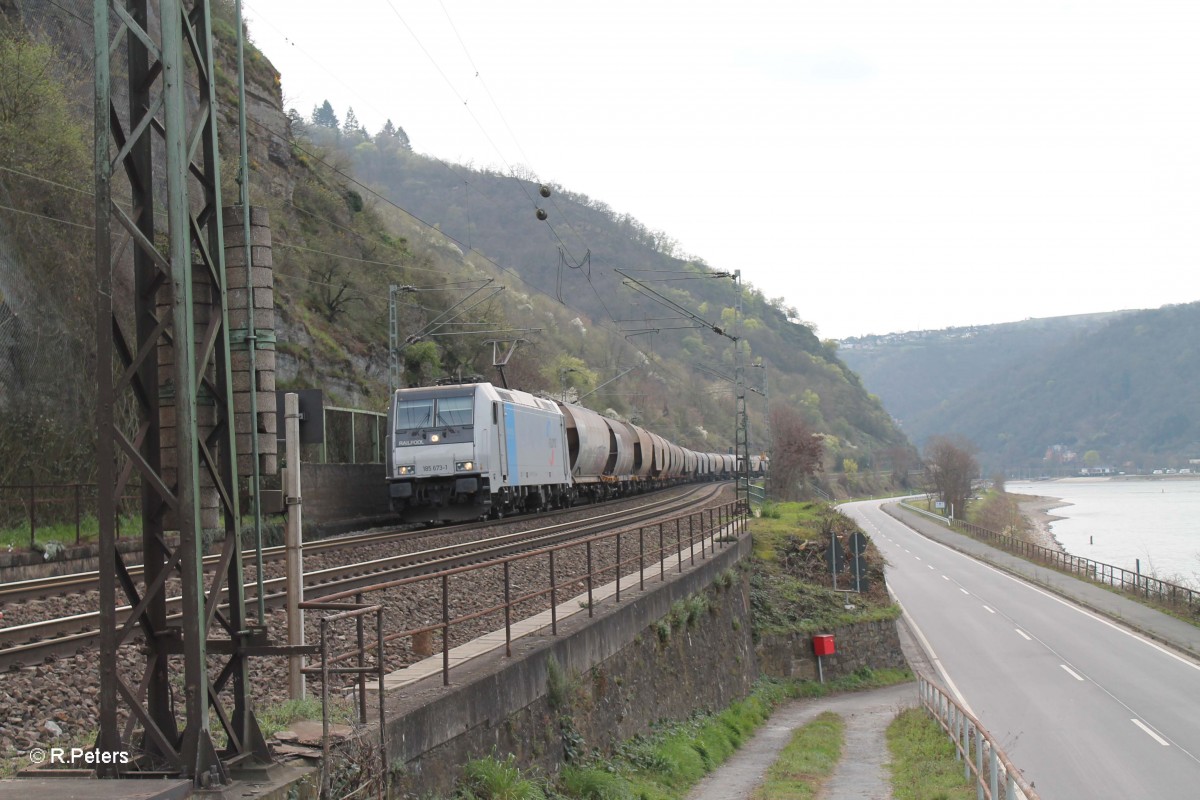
<point>741,436</point>
<point>164,403</point>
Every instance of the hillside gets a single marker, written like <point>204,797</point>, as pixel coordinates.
<point>1051,395</point>
<point>354,213</point>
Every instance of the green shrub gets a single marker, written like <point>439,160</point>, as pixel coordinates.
<point>489,779</point>
<point>592,783</point>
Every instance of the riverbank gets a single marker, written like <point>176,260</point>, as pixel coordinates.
<point>1036,509</point>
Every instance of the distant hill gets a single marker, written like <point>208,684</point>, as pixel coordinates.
<point>360,218</point>
<point>1052,395</point>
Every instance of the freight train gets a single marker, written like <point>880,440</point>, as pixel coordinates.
<point>469,451</point>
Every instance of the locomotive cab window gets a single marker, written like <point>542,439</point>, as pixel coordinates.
<point>414,414</point>
<point>455,412</point>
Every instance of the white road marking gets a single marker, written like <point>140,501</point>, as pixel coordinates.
<point>1194,664</point>
<point>937,662</point>
<point>1024,635</point>
<point>1072,672</point>
<point>1051,596</point>
<point>964,591</point>
<point>989,609</point>
<point>945,578</point>
<point>929,565</point>
<point>1146,728</point>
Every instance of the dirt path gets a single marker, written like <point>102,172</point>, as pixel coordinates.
<point>860,775</point>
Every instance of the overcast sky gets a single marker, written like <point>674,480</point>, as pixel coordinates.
<point>884,166</point>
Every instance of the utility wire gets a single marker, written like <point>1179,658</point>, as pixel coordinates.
<point>51,219</point>
<point>371,191</point>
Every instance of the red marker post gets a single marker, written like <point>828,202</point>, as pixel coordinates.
<point>823,646</point>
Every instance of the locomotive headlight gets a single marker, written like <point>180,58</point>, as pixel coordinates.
<point>407,469</point>
<point>463,466</point>
<point>435,438</point>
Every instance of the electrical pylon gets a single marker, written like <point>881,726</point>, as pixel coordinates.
<point>164,403</point>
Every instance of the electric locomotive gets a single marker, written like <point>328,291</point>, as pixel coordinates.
<point>467,451</point>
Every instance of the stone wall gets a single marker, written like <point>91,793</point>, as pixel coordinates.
<point>866,644</point>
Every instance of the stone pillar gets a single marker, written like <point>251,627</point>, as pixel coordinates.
<point>262,294</point>
<point>203,307</point>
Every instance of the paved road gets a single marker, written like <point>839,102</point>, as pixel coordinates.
<point>1084,706</point>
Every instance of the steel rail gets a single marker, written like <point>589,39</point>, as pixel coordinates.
<point>78,582</point>
<point>30,644</point>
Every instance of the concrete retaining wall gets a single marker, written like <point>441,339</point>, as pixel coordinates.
<point>619,675</point>
<point>626,670</point>
<point>343,495</point>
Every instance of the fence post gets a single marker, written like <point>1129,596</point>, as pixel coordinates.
<point>662,556</point>
<point>691,539</point>
<point>993,774</point>
<point>678,544</point>
<point>553,599</point>
<point>965,739</point>
<point>445,630</point>
<point>77,514</point>
<point>641,558</point>
<point>32,514</point>
<point>618,568</point>
<point>589,577</point>
<point>325,707</point>
<point>507,612</point>
<point>712,533</point>
<point>978,764</point>
<point>362,662</point>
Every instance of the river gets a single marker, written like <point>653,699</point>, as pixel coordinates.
<point>1121,521</point>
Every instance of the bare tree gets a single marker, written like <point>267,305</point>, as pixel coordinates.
<point>333,291</point>
<point>795,452</point>
<point>951,465</point>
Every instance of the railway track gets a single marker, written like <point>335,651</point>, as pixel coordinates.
<point>13,592</point>
<point>78,582</point>
<point>33,643</point>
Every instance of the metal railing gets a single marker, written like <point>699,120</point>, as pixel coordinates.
<point>1129,581</point>
<point>606,558</point>
<point>39,506</point>
<point>757,495</point>
<point>982,757</point>
<point>334,665</point>
<point>353,436</point>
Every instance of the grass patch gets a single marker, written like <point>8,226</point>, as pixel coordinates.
<point>593,783</point>
<point>784,604</point>
<point>666,763</point>
<point>923,766</point>
<point>807,761</point>
<point>491,779</point>
<point>48,536</point>
<point>791,589</point>
<point>859,681</point>
<point>785,519</point>
<point>278,716</point>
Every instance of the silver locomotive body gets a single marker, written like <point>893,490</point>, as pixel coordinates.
<point>462,452</point>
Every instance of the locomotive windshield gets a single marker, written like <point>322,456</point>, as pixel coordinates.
<point>414,414</point>
<point>455,412</point>
<point>429,412</point>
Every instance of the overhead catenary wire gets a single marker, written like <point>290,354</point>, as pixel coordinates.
<point>383,198</point>
<point>467,107</point>
<point>388,201</point>
<point>43,216</point>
